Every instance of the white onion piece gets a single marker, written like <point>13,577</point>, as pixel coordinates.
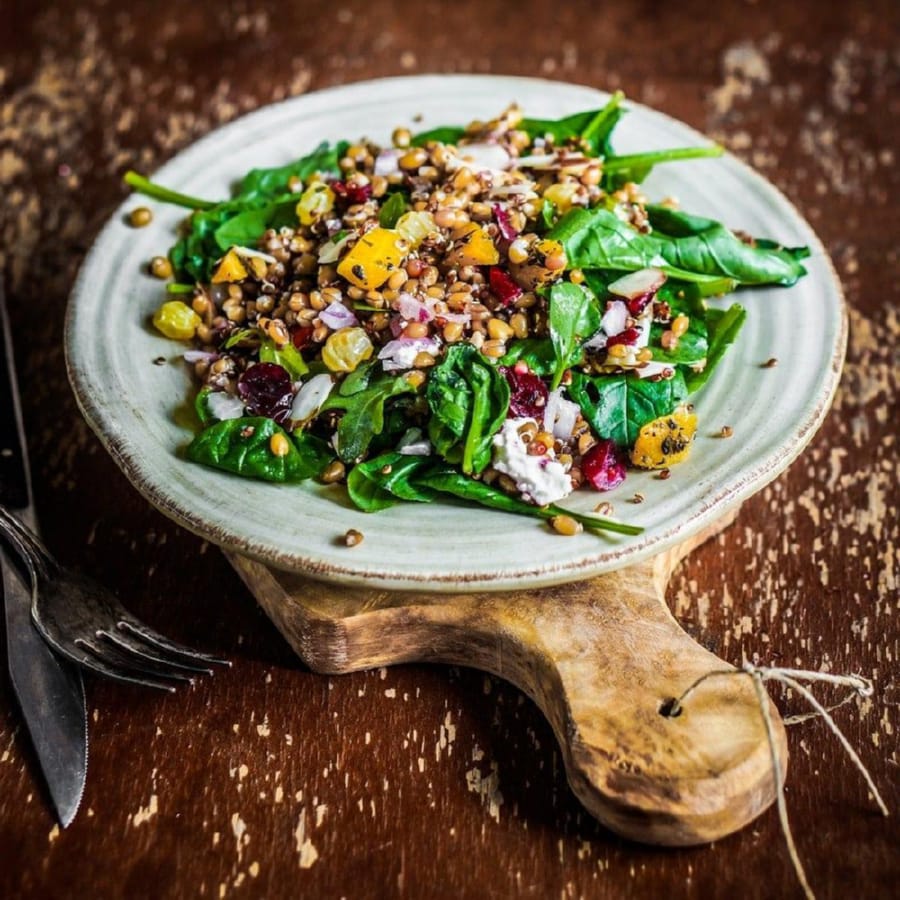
<point>414,443</point>
<point>336,315</point>
<point>597,342</point>
<point>195,356</point>
<point>653,368</point>
<point>614,319</point>
<point>479,157</point>
<point>636,284</point>
<point>402,352</point>
<point>249,253</point>
<point>330,251</point>
<point>310,397</point>
<point>538,161</point>
<point>463,317</point>
<point>387,162</point>
<point>643,330</point>
<point>520,187</point>
<point>224,406</point>
<point>560,415</point>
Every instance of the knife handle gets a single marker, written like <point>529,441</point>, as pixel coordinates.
<point>15,490</point>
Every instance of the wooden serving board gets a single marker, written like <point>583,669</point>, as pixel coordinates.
<point>599,657</point>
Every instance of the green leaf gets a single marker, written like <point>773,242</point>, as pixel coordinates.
<point>573,316</point>
<point>618,406</point>
<point>723,327</point>
<point>364,413</point>
<point>443,134</point>
<point>240,336</point>
<point>242,446</point>
<point>537,353</point>
<point>448,480</point>
<point>201,406</point>
<point>265,184</point>
<point>593,127</point>
<point>703,245</point>
<point>246,228</point>
<point>617,170</point>
<point>287,356</point>
<point>686,247</point>
<point>391,210</point>
<point>468,399</point>
<point>691,348</point>
<point>380,482</point>
<point>144,186</point>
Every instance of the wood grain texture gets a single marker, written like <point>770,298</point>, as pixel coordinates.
<point>426,780</point>
<point>601,658</point>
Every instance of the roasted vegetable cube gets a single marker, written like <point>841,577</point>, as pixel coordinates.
<point>373,258</point>
<point>665,441</point>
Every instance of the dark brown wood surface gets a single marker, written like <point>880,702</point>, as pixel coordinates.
<point>270,781</point>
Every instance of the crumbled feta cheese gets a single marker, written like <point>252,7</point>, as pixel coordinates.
<point>540,478</point>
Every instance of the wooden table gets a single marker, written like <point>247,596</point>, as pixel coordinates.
<point>270,781</point>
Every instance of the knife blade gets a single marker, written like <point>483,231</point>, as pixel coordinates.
<point>49,689</point>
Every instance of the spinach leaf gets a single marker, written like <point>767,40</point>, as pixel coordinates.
<point>688,248</point>
<point>247,227</point>
<point>574,315</point>
<point>468,399</point>
<point>364,413</point>
<point>265,184</point>
<point>242,446</point>
<point>380,482</point>
<point>592,127</point>
<point>703,245</point>
<point>286,356</point>
<point>692,346</point>
<point>448,480</point>
<point>723,327</point>
<point>391,210</point>
<point>618,406</point>
<point>444,134</point>
<point>617,170</point>
<point>144,186</point>
<point>201,406</point>
<point>538,353</point>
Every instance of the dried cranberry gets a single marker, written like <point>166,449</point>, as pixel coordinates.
<point>503,287</point>
<point>352,193</point>
<point>267,391</point>
<point>628,336</point>
<point>504,223</point>
<point>527,393</point>
<point>301,336</point>
<point>636,305</point>
<point>603,466</point>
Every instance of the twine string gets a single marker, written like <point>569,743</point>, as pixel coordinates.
<point>791,678</point>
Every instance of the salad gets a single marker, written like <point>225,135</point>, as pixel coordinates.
<point>494,312</point>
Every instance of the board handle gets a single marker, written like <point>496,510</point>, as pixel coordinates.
<point>602,658</point>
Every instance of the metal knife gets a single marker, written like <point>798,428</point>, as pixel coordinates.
<point>49,689</point>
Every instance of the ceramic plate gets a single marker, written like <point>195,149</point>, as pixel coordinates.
<point>133,404</point>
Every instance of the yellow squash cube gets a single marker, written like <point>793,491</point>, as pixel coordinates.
<point>473,247</point>
<point>665,441</point>
<point>373,258</point>
<point>230,268</point>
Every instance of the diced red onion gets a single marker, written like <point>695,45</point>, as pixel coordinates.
<point>412,309</point>
<point>401,353</point>
<point>507,230</point>
<point>310,397</point>
<point>224,406</point>
<point>336,315</point>
<point>635,284</point>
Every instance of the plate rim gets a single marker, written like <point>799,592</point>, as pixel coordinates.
<point>736,490</point>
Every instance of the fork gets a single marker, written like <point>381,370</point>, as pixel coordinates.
<point>84,622</point>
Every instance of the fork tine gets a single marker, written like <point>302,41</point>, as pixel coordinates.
<point>126,661</point>
<point>140,649</point>
<point>157,640</point>
<point>95,663</point>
